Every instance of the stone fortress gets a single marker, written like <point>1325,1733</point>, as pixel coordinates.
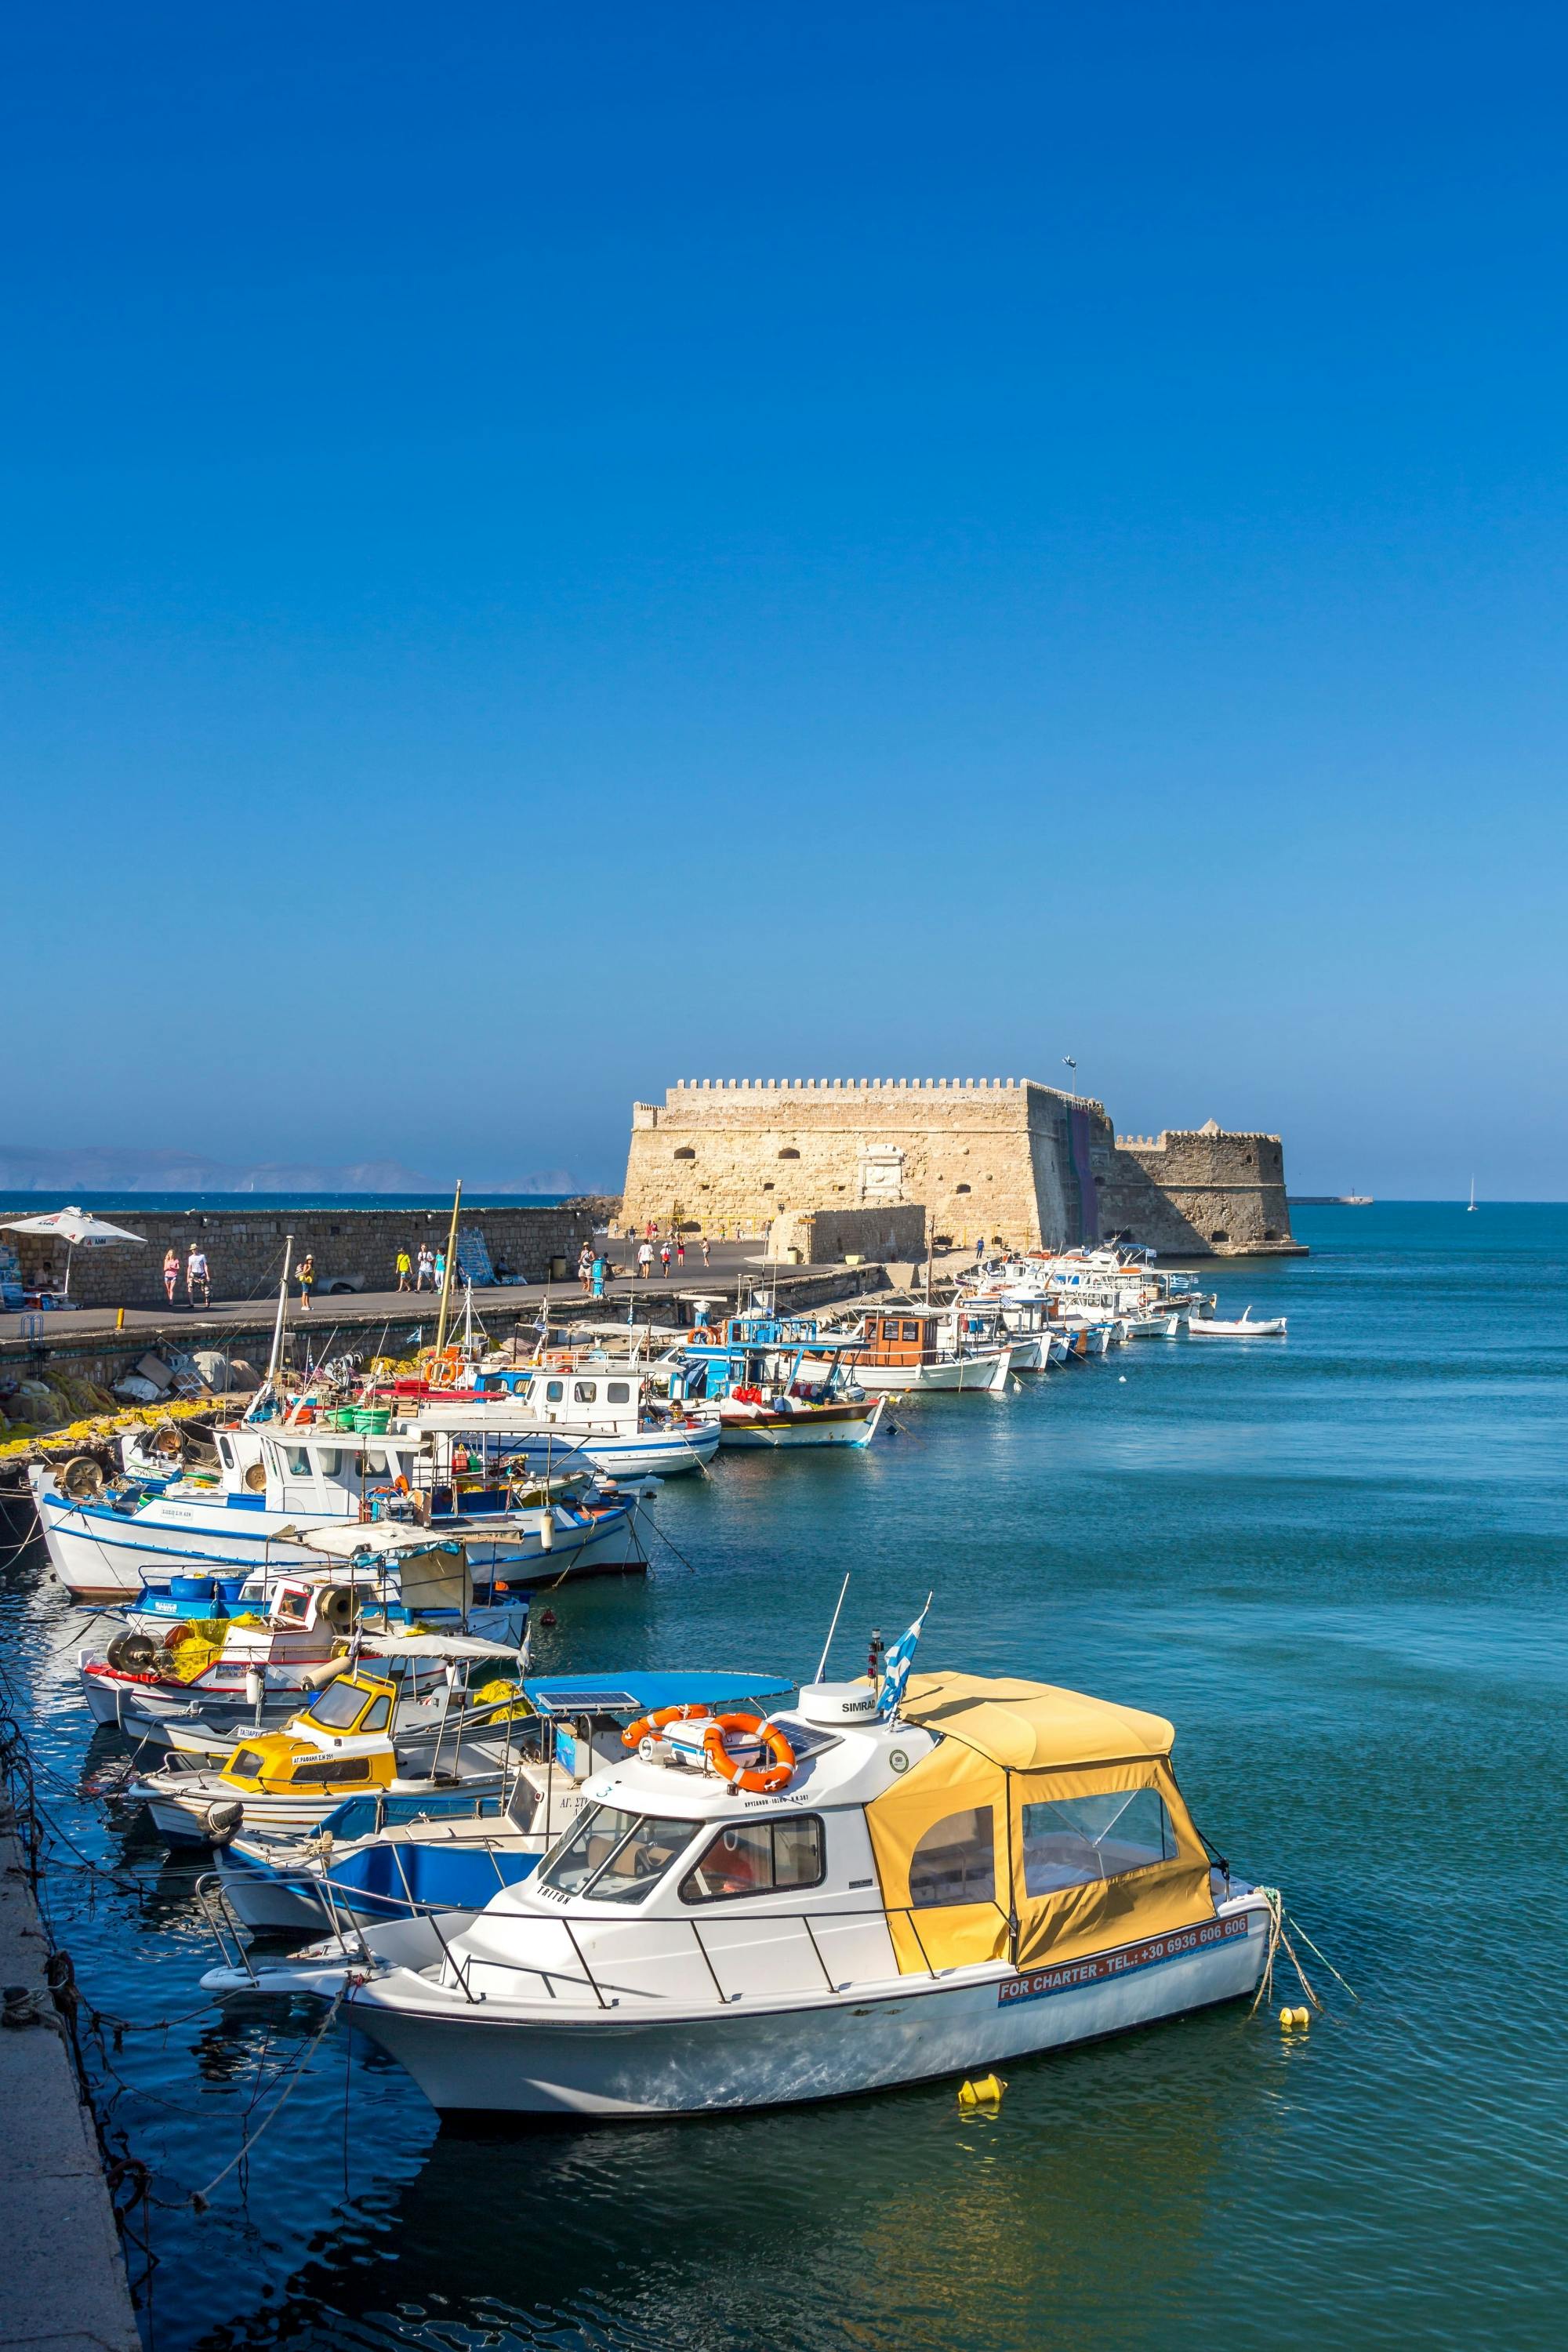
<point>858,1165</point>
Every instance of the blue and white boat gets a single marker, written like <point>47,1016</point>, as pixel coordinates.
<point>293,1477</point>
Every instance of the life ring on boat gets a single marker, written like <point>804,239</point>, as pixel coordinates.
<point>441,1372</point>
<point>703,1336</point>
<point>636,1733</point>
<point>759,1780</point>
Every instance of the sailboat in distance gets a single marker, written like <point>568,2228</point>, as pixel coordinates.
<point>1472,1208</point>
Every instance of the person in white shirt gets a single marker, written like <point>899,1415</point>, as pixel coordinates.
<point>197,1277</point>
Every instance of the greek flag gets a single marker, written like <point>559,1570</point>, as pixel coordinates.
<point>896,1664</point>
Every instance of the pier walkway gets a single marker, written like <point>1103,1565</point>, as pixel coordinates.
<point>64,2288</point>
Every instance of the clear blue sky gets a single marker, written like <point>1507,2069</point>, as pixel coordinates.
<point>550,549</point>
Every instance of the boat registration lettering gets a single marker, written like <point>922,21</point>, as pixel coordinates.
<point>1098,1967</point>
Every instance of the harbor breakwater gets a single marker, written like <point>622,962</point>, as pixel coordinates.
<point>245,1247</point>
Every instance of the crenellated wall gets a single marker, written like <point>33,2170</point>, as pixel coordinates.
<point>1004,1158</point>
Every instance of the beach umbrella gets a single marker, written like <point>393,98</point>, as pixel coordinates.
<point>76,1228</point>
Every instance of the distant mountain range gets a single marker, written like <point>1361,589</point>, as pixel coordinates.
<point>26,1169</point>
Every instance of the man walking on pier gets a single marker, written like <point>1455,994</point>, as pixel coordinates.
<point>197,1277</point>
<point>425,1278</point>
<point>405,1270</point>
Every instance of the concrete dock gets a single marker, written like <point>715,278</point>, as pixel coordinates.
<point>64,2288</point>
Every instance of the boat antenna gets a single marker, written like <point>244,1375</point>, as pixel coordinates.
<point>447,1274</point>
<point>833,1629</point>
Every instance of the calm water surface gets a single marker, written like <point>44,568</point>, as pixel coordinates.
<point>1337,1564</point>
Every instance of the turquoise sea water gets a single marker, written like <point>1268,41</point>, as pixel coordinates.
<point>1338,1565</point>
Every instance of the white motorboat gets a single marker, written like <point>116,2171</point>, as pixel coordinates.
<point>377,1857</point>
<point>629,1419</point>
<point>1243,1328</point>
<point>996,1868</point>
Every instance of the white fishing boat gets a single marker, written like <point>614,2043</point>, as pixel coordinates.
<point>779,1383</point>
<point>108,1542</point>
<point>1245,1326</point>
<point>981,1870</point>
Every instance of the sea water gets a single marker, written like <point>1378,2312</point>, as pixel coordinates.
<point>1336,1562</point>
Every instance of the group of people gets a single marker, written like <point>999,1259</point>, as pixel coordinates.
<point>593,1266</point>
<point>427,1272</point>
<point>198,1281</point>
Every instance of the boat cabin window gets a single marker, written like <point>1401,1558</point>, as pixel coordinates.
<point>615,1857</point>
<point>225,1452</point>
<point>298,1462</point>
<point>380,1708</point>
<point>955,1861</point>
<point>585,1392</point>
<point>1077,1840</point>
<point>554,1390</point>
<point>376,1463</point>
<point>758,1858</point>
<point>330,1460</point>
<point>336,1705</point>
<point>618,1392</point>
<point>911,1331</point>
<point>325,1771</point>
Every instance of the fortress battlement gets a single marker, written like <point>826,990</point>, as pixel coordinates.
<point>1011,1161</point>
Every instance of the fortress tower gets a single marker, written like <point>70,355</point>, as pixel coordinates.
<point>1006,1158</point>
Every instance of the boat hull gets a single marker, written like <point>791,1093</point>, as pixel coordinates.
<point>830,1425</point>
<point>497,2059</point>
<point>979,1375</point>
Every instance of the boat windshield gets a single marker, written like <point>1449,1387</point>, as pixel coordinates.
<point>615,1857</point>
<point>338,1705</point>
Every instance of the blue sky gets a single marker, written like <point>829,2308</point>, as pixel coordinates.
<point>545,551</point>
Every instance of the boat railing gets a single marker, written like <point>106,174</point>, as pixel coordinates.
<point>607,1994</point>
<point>227,1927</point>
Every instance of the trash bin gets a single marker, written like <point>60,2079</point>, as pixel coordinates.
<point>557,1269</point>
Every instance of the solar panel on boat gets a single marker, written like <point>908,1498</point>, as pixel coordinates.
<point>583,1701</point>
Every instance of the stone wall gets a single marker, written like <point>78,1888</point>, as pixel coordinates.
<point>245,1247</point>
<point>828,1236</point>
<point>1005,1157</point>
<point>1018,1164</point>
<point>1199,1193</point>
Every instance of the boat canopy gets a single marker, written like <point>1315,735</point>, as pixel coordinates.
<point>643,1693</point>
<point>1045,1825</point>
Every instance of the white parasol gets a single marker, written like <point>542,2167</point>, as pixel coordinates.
<point>76,1228</point>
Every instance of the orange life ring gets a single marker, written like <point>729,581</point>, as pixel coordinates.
<point>636,1733</point>
<point>759,1781</point>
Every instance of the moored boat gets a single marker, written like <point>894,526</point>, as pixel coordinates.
<point>912,1885</point>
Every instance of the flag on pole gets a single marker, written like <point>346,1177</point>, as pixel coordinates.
<point>897,1663</point>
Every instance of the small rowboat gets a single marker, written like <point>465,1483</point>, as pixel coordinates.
<point>1210,1328</point>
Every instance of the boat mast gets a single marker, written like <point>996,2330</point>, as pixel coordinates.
<point>446,1276</point>
<point>275,1360</point>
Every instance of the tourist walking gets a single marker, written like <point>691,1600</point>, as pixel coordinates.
<point>584,1266</point>
<point>405,1270</point>
<point>664,1254</point>
<point>197,1277</point>
<point>644,1258</point>
<point>171,1273</point>
<point>425,1279</point>
<point>305,1274</point>
<point>599,1276</point>
<point>704,1249</point>
<point>440,1269</point>
<point>680,1249</point>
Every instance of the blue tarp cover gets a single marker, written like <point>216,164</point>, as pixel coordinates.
<point>641,1693</point>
